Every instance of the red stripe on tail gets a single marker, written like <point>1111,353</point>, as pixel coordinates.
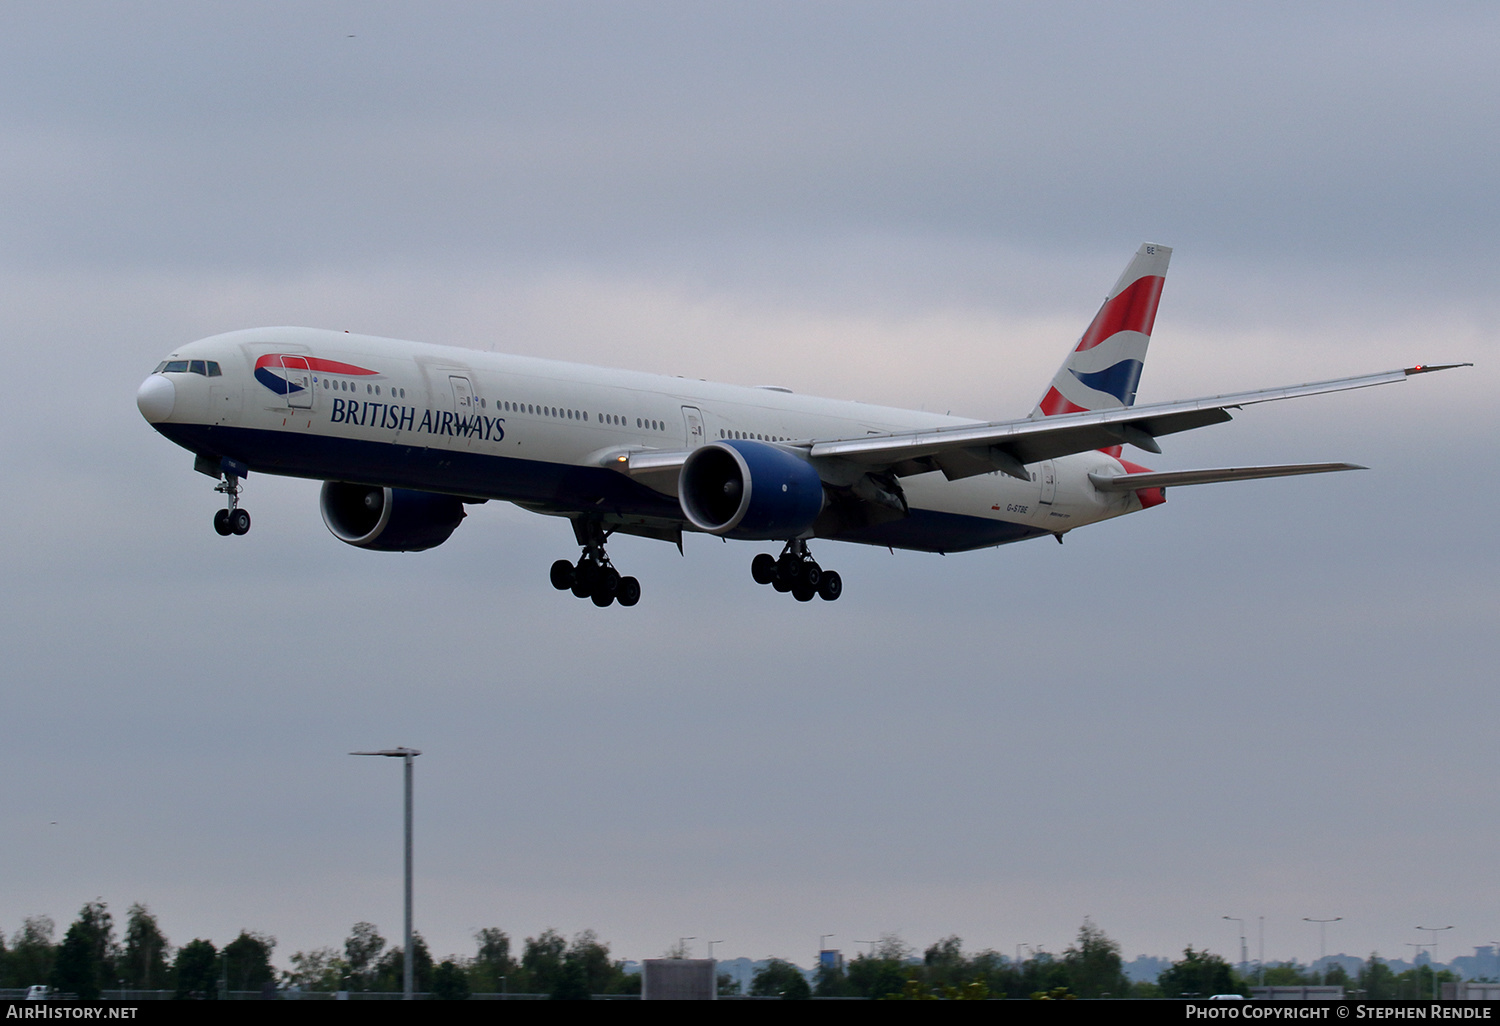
<point>1053,404</point>
<point>1134,309</point>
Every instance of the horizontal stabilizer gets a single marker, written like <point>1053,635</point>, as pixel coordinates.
<point>1170,478</point>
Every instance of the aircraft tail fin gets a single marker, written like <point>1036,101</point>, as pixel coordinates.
<point>1103,370</point>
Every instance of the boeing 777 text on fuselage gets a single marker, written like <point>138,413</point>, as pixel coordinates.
<point>403,434</point>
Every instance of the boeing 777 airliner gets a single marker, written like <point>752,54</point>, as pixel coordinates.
<point>403,434</point>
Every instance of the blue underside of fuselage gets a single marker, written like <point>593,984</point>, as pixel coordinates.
<point>554,487</point>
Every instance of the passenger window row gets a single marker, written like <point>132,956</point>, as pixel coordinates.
<point>342,385</point>
<point>752,435</point>
<point>644,423</point>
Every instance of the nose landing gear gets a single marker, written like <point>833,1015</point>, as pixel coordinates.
<point>232,519</point>
<point>594,577</point>
<point>797,572</point>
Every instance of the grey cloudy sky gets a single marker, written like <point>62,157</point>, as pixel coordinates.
<point>1272,699</point>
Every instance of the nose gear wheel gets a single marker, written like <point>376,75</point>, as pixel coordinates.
<point>231,519</point>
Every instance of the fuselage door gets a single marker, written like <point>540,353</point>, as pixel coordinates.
<point>692,422</point>
<point>299,386</point>
<point>463,395</point>
<point>465,407</point>
<point>1048,471</point>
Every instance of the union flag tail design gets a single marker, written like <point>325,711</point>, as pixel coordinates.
<point>1103,370</point>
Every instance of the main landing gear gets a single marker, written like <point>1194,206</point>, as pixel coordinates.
<point>593,577</point>
<point>231,520</point>
<point>797,572</point>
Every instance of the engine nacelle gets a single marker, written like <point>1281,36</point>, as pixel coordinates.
<point>388,519</point>
<point>749,490</point>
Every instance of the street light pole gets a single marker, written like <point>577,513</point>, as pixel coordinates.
<point>406,755</point>
<point>1244,953</point>
<point>1323,942</point>
<point>1434,930</point>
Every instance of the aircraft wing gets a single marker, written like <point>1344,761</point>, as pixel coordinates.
<point>1172,478</point>
<point>1007,446</point>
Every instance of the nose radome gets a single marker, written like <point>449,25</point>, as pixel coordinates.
<point>155,398</point>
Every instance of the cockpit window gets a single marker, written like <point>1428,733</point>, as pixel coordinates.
<point>208,368</point>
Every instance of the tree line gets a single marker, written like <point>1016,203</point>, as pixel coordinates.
<point>90,959</point>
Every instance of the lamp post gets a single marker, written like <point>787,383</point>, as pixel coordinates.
<point>1322,941</point>
<point>1244,953</point>
<point>1434,930</point>
<point>406,755</point>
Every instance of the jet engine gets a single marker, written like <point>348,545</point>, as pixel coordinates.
<point>388,519</point>
<point>750,490</point>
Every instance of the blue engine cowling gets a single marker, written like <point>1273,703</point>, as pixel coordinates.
<point>388,519</point>
<point>749,490</point>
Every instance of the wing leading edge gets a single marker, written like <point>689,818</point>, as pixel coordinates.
<point>1008,446</point>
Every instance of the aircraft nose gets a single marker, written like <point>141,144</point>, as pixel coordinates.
<point>155,397</point>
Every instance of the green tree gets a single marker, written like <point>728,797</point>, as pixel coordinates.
<point>450,982</point>
<point>85,962</point>
<point>197,970</point>
<point>143,963</point>
<point>320,970</point>
<point>32,952</point>
<point>1094,965</point>
<point>1197,974</point>
<point>1042,973</point>
<point>492,962</point>
<point>1423,981</point>
<point>541,961</point>
<point>944,962</point>
<point>996,973</point>
<point>1335,975</point>
<point>247,961</point>
<point>832,981</point>
<point>571,983</point>
<point>778,977</point>
<point>881,972</point>
<point>362,950</point>
<point>1287,974</point>
<point>1376,979</point>
<point>912,990</point>
<point>594,968</point>
<point>390,971</point>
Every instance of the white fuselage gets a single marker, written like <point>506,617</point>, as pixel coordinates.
<point>545,434</point>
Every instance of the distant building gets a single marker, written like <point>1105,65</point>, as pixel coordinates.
<point>679,979</point>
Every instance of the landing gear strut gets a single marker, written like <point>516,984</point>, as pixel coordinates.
<point>594,577</point>
<point>232,519</point>
<point>797,572</point>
